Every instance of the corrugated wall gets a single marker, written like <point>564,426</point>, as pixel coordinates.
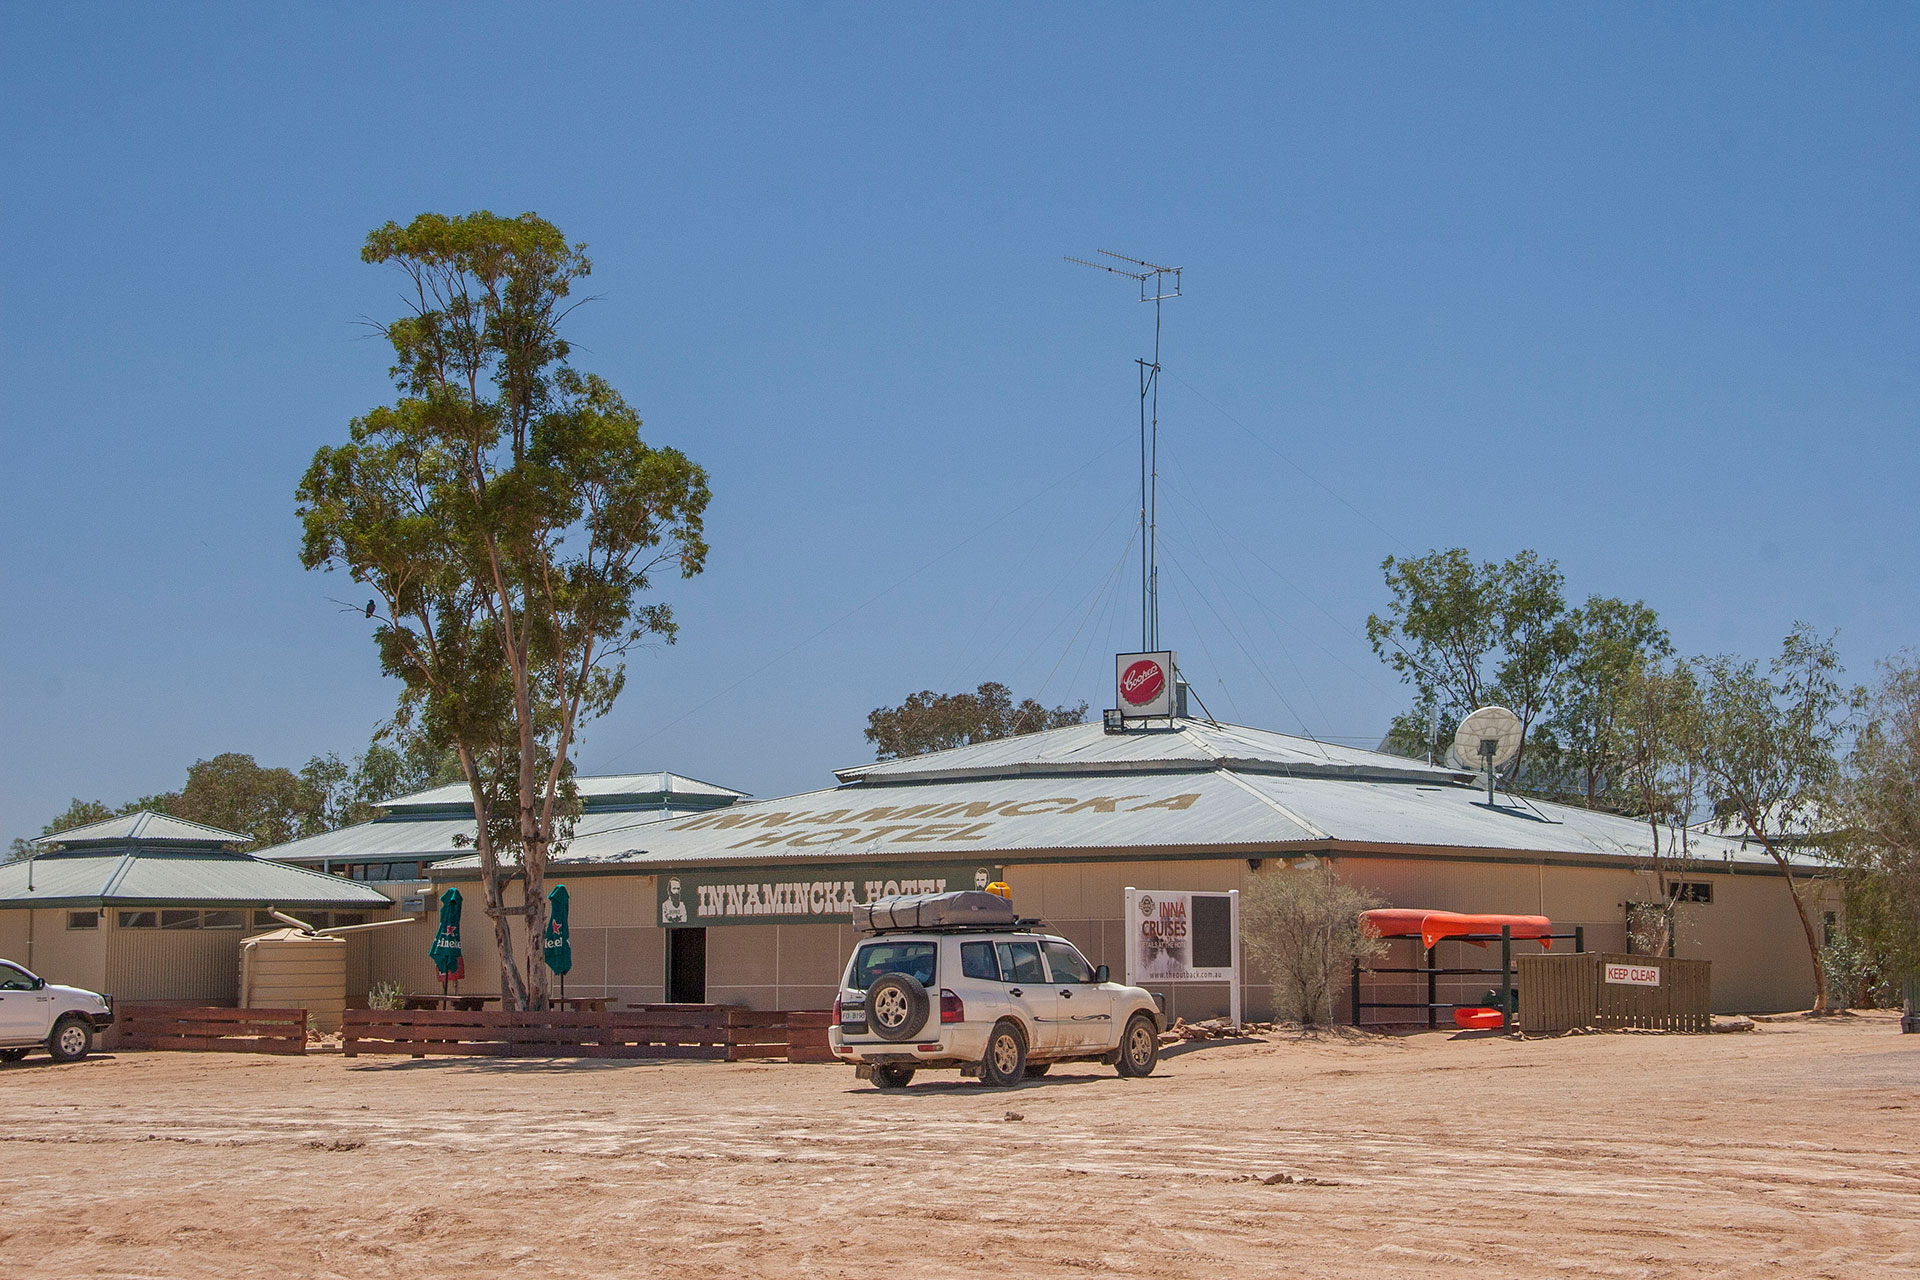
<point>173,964</point>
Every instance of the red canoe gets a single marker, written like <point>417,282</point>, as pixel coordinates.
<point>1400,922</point>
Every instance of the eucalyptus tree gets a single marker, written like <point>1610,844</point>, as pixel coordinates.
<point>1880,814</point>
<point>1769,752</point>
<point>1612,641</point>
<point>1465,634</point>
<point>509,520</point>
<point>1654,740</point>
<point>929,721</point>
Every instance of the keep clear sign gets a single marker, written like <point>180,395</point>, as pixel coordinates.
<point>804,895</point>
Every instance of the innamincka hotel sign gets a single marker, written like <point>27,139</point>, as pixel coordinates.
<point>804,895</point>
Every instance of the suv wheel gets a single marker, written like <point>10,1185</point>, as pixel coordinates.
<point>71,1039</point>
<point>1005,1061</point>
<point>896,1007</point>
<point>890,1075</point>
<point>1139,1047</point>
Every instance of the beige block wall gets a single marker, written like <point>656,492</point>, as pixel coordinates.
<point>1749,931</point>
<point>41,941</point>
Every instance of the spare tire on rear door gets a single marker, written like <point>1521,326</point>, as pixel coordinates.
<point>896,1007</point>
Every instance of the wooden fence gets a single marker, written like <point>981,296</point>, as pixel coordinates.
<point>207,1028</point>
<point>718,1033</point>
<point>1565,993</point>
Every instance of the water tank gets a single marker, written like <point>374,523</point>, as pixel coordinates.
<point>289,969</point>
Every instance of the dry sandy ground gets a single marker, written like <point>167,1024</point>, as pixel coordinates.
<point>1791,1151</point>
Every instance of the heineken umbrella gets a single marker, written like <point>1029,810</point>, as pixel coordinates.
<point>446,939</point>
<point>557,946</point>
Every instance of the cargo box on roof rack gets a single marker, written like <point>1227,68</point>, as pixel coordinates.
<point>966,909</point>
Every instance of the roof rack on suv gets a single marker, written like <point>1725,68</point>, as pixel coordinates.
<point>1022,925</point>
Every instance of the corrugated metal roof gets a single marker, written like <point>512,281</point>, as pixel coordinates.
<point>1030,817</point>
<point>1187,745</point>
<point>151,876</point>
<point>637,787</point>
<point>405,837</point>
<point>144,826</point>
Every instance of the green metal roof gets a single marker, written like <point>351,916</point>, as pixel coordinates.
<point>147,876</point>
<point>144,828</point>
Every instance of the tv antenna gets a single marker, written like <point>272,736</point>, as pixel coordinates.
<point>1157,285</point>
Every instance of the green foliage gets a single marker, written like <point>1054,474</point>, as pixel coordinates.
<point>387,995</point>
<point>1878,812</point>
<point>1468,635</point>
<point>1611,641</point>
<point>350,793</point>
<point>1302,928</point>
<point>234,792</point>
<point>78,813</point>
<point>508,518</point>
<point>1465,635</point>
<point>1769,751</point>
<point>929,721</point>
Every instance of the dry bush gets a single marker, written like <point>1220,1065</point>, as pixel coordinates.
<point>1302,928</point>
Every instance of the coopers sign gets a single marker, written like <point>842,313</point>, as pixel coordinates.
<point>1143,684</point>
<point>804,895</point>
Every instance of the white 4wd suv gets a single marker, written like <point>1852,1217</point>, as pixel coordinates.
<point>34,1013</point>
<point>997,1003</point>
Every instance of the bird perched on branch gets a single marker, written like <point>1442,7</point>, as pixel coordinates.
<point>369,608</point>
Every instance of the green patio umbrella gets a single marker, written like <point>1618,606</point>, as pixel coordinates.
<point>446,939</point>
<point>557,946</point>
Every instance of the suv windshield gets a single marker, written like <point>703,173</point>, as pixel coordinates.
<point>915,959</point>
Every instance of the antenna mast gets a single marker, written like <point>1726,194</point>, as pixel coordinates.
<point>1157,284</point>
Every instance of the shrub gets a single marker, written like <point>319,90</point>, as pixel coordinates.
<point>1302,928</point>
<point>386,995</point>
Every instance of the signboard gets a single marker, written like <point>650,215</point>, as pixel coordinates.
<point>1175,936</point>
<point>1143,684</point>
<point>1633,975</point>
<point>805,894</point>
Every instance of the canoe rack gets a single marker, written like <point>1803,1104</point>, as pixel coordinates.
<point>1433,971</point>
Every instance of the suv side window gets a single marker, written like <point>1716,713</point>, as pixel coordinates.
<point>12,979</point>
<point>1020,962</point>
<point>977,961</point>
<point>1068,965</point>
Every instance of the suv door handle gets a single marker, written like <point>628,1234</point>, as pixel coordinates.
<point>1065,994</point>
<point>1015,991</point>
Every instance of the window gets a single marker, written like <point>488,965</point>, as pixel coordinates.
<point>179,919</point>
<point>1700,891</point>
<point>1067,964</point>
<point>221,920</point>
<point>139,919</point>
<point>1020,962</point>
<point>914,959</point>
<point>83,919</point>
<point>14,978</point>
<point>976,961</point>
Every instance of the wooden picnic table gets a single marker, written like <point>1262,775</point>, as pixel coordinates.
<point>463,1004</point>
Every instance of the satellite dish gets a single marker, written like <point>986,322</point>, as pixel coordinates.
<point>1488,738</point>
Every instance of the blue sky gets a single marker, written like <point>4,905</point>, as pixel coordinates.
<point>1632,286</point>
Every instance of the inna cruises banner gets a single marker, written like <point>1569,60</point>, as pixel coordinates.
<point>820,894</point>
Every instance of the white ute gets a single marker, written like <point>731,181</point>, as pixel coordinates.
<point>35,1014</point>
<point>999,1001</point>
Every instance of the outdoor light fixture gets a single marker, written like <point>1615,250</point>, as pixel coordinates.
<point>1113,720</point>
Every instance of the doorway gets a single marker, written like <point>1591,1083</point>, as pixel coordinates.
<point>687,966</point>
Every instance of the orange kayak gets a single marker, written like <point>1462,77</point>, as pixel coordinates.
<point>1400,922</point>
<point>1477,1019</point>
